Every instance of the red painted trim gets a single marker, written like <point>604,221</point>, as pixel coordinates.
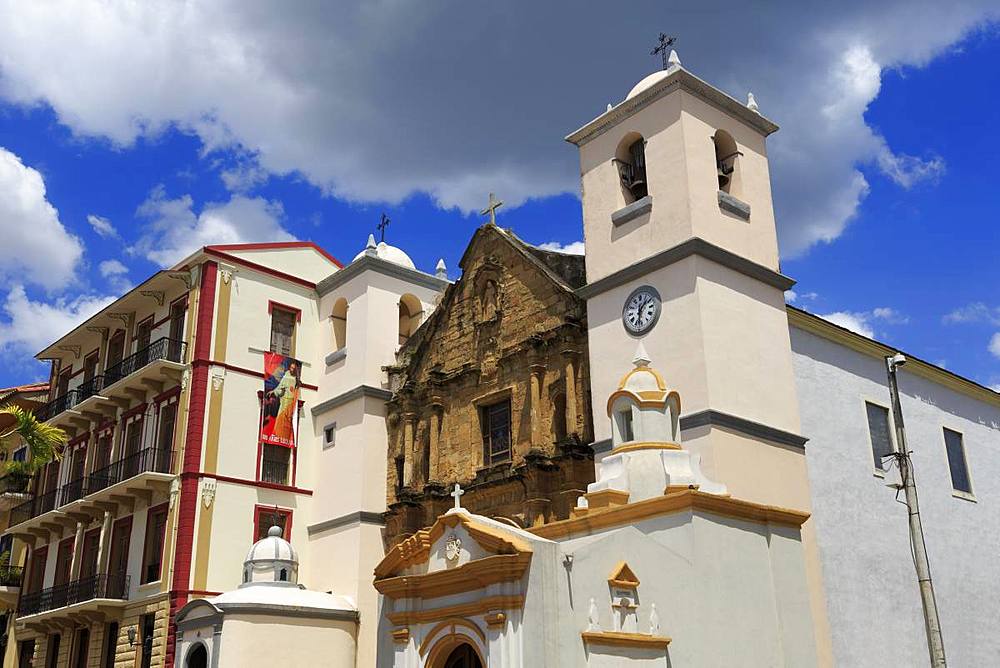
<point>182,297</point>
<point>188,502</point>
<point>273,245</point>
<point>197,593</point>
<point>248,372</point>
<point>166,395</point>
<point>259,509</point>
<point>159,322</point>
<point>82,438</point>
<point>151,512</point>
<point>249,483</point>
<point>132,412</point>
<point>271,305</point>
<point>108,425</point>
<point>259,267</point>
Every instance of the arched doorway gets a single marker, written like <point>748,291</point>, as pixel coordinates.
<point>197,657</point>
<point>463,656</point>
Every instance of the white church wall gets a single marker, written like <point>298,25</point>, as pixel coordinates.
<point>266,640</point>
<point>874,604</point>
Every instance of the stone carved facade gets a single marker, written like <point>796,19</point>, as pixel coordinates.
<point>505,347</point>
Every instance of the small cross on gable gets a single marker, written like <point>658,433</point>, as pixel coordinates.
<point>457,493</point>
<point>491,209</point>
<point>663,49</point>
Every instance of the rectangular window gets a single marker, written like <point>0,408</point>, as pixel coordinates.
<point>178,310</point>
<point>147,627</point>
<point>880,433</point>
<point>165,431</point>
<point>625,425</point>
<point>152,553</point>
<point>282,331</point>
<point>956,461</point>
<point>274,465</point>
<point>52,653</point>
<point>37,575</point>
<point>330,435</point>
<point>81,648</point>
<point>110,644</point>
<point>90,367</point>
<point>266,517</point>
<point>26,652</point>
<point>495,420</point>
<point>116,350</point>
<point>88,557</point>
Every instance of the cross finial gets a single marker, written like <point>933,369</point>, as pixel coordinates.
<point>382,225</point>
<point>457,493</point>
<point>663,49</point>
<point>492,209</point>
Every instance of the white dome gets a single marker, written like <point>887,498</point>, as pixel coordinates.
<point>271,559</point>
<point>648,82</point>
<point>272,548</point>
<point>386,252</point>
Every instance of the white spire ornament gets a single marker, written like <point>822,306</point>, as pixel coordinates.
<point>752,103</point>
<point>654,622</point>
<point>674,60</point>
<point>370,247</point>
<point>592,621</point>
<point>641,357</point>
<point>441,271</point>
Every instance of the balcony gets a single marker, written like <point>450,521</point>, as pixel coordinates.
<point>13,490</point>
<point>83,595</point>
<point>138,474</point>
<point>146,367</point>
<point>274,471</point>
<point>10,584</point>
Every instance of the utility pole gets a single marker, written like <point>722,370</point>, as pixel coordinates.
<point>932,625</point>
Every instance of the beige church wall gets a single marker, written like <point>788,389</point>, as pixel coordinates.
<point>265,640</point>
<point>721,568</point>
<point>305,263</point>
<point>610,248</point>
<point>755,239</point>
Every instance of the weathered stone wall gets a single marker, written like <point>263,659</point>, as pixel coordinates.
<point>510,328</point>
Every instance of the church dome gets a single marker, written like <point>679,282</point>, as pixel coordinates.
<point>384,251</point>
<point>648,82</point>
<point>271,559</point>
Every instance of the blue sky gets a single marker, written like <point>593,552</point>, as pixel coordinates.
<point>121,157</point>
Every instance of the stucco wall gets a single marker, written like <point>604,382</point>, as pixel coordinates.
<point>871,588</point>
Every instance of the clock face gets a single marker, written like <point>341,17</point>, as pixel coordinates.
<point>642,308</point>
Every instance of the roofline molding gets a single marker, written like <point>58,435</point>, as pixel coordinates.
<point>381,266</point>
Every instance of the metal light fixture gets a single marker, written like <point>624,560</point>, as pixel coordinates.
<point>131,636</point>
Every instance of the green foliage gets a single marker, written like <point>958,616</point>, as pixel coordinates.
<point>43,440</point>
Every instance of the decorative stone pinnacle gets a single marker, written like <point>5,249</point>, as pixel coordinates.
<point>370,248</point>
<point>752,103</point>
<point>674,59</point>
<point>641,358</point>
<point>441,271</point>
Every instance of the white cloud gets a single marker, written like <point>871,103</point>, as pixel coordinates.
<point>890,315</point>
<point>376,101</point>
<point>102,226</point>
<point>994,346</point>
<point>573,248</point>
<point>116,274</point>
<point>856,322</point>
<point>32,325</point>
<point>36,247</point>
<point>791,296</point>
<point>174,230</point>
<point>975,312</point>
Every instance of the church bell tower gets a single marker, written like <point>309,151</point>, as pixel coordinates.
<point>682,258</point>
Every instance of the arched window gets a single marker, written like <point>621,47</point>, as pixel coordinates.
<point>410,314</point>
<point>726,155</point>
<point>197,657</point>
<point>283,575</point>
<point>339,317</point>
<point>630,158</point>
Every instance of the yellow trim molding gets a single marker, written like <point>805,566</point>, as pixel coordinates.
<point>646,445</point>
<point>622,639</point>
<point>467,577</point>
<point>450,624</point>
<point>606,498</point>
<point>495,619</point>
<point>480,607</point>
<point>681,501</point>
<point>623,577</point>
<point>401,636</point>
<point>416,549</point>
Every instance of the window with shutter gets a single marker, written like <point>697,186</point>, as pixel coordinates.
<point>956,462</point>
<point>495,421</point>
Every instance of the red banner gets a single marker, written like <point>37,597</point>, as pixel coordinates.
<point>280,411</point>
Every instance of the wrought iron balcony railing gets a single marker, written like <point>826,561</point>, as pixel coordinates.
<point>57,406</point>
<point>149,460</point>
<point>161,349</point>
<point>14,483</point>
<point>89,388</point>
<point>114,586</point>
<point>10,576</point>
<point>72,491</point>
<point>39,505</point>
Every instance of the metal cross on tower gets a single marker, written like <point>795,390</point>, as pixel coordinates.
<point>663,50</point>
<point>492,209</point>
<point>382,225</point>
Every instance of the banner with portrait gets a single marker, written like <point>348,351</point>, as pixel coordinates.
<point>279,422</point>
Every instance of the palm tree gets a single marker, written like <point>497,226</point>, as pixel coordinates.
<point>43,440</point>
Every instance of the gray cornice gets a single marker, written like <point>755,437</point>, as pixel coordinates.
<point>693,246</point>
<point>735,423</point>
<point>350,519</point>
<point>288,611</point>
<point>679,79</point>
<point>377,264</point>
<point>351,395</point>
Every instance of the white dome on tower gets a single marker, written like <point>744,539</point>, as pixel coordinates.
<point>271,559</point>
<point>384,251</point>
